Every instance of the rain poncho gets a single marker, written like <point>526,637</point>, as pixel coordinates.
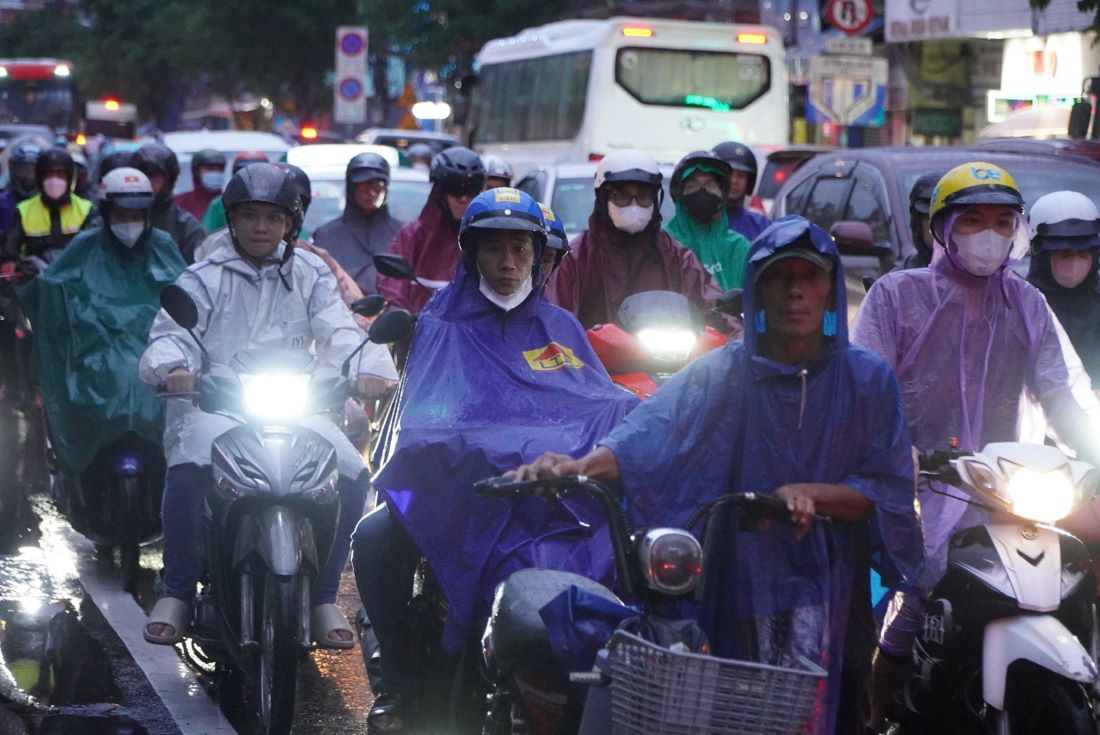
<point>485,391</point>
<point>734,421</point>
<point>1078,309</point>
<point>279,305</point>
<point>180,225</point>
<point>966,350</point>
<point>722,251</point>
<point>747,222</point>
<point>606,265</point>
<point>430,245</point>
<point>91,311</point>
<point>356,237</point>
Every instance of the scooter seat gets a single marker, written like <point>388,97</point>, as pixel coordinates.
<point>516,630</point>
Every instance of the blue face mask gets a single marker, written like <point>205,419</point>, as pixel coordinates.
<point>213,180</point>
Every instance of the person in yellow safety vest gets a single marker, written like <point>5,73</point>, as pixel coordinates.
<point>47,221</point>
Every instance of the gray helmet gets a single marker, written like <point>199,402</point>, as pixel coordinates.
<point>263,183</point>
<point>368,166</point>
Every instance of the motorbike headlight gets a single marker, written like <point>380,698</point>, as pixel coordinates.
<point>1043,497</point>
<point>274,396</point>
<point>668,345</point>
<point>671,559</point>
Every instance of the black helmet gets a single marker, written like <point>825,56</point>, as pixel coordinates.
<point>920,196</point>
<point>420,150</point>
<point>740,158</point>
<point>458,169</point>
<point>706,160</point>
<point>207,157</point>
<point>154,158</point>
<point>247,158</point>
<point>54,159</point>
<point>367,166</point>
<point>111,161</point>
<point>301,180</point>
<point>263,183</point>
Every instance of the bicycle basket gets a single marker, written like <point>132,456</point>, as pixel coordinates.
<point>661,692</point>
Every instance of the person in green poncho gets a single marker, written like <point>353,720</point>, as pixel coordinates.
<point>92,309</point>
<point>698,187</point>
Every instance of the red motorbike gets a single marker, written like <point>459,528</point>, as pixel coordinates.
<point>657,333</point>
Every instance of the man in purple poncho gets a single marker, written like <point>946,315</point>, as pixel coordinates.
<point>968,338</point>
<point>495,376</point>
<point>797,412</point>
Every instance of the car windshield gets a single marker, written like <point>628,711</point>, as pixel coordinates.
<point>406,199</point>
<point>572,202</point>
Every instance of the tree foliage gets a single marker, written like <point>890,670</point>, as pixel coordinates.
<point>1085,6</point>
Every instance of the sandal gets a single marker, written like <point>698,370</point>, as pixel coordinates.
<point>325,620</point>
<point>386,715</point>
<point>173,612</point>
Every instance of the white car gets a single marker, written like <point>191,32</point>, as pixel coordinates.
<point>567,189</point>
<point>409,189</point>
<point>327,160</point>
<point>230,142</point>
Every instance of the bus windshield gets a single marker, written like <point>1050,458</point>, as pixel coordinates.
<point>714,80</point>
<point>43,101</point>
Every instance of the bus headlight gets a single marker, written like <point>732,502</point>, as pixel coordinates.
<point>274,397</point>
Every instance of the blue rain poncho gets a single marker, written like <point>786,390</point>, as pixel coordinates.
<point>734,421</point>
<point>485,391</point>
<point>966,351</point>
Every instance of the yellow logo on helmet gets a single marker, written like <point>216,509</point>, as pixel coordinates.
<point>971,183</point>
<point>506,194</point>
<point>547,214</point>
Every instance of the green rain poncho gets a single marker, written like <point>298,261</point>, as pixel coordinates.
<point>91,311</point>
<point>722,251</point>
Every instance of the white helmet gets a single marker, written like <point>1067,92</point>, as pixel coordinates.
<point>635,166</point>
<point>127,188</point>
<point>497,168</point>
<point>1064,214</point>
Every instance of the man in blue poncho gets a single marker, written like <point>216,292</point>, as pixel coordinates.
<point>495,376</point>
<point>794,411</point>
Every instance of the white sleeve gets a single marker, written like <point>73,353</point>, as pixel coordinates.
<point>170,346</point>
<point>336,335</point>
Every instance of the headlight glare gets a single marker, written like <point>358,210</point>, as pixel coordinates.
<point>1043,497</point>
<point>274,396</point>
<point>670,345</point>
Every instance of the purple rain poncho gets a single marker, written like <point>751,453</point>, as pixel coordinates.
<point>966,350</point>
<point>483,392</point>
<point>734,421</point>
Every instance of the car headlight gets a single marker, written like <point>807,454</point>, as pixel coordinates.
<point>668,345</point>
<point>275,396</point>
<point>1043,497</point>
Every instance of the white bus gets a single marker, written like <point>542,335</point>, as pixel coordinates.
<point>578,89</point>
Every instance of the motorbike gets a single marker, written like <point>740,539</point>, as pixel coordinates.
<point>654,675</point>
<point>270,512</point>
<point>1009,641</point>
<point>657,333</point>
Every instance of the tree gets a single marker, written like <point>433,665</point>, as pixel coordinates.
<point>1085,6</point>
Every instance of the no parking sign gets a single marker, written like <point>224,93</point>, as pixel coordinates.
<point>349,85</point>
<point>850,16</point>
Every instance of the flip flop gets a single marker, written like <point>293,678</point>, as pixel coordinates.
<point>169,611</point>
<point>326,619</point>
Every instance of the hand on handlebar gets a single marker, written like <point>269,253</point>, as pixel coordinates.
<point>371,388</point>
<point>800,503</point>
<point>550,466</point>
<point>180,380</point>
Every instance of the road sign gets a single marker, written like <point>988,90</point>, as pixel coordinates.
<point>850,16</point>
<point>848,90</point>
<point>350,77</point>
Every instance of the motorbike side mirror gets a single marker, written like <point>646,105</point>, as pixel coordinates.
<point>369,306</point>
<point>393,326</point>
<point>394,266</point>
<point>856,238</point>
<point>731,302</point>
<point>180,306</point>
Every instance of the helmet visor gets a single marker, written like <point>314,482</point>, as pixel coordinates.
<point>1019,232</point>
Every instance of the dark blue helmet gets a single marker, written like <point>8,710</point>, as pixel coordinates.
<point>555,231</point>
<point>502,208</point>
<point>25,151</point>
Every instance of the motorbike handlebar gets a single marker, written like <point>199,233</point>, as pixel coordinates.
<point>752,505</point>
<point>939,460</point>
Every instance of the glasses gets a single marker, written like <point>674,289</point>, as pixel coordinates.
<point>710,185</point>
<point>460,192</point>
<point>622,198</point>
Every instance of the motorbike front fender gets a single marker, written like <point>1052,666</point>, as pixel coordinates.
<point>1041,639</point>
<point>278,540</point>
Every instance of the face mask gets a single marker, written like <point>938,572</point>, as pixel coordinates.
<point>631,218</point>
<point>702,205</point>
<point>128,232</point>
<point>981,253</point>
<point>55,187</point>
<point>213,180</point>
<point>1070,272</point>
<point>506,302</point>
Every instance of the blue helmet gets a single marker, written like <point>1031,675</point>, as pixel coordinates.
<point>556,238</point>
<point>502,208</point>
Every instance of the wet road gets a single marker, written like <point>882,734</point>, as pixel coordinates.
<point>58,606</point>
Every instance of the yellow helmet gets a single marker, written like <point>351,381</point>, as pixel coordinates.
<point>975,183</point>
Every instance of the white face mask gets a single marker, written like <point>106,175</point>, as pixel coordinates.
<point>506,302</point>
<point>631,218</point>
<point>128,233</point>
<point>981,253</point>
<point>54,187</point>
<point>1070,271</point>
